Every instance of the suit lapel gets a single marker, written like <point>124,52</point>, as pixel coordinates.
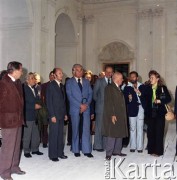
<point>56,86</point>
<point>104,82</point>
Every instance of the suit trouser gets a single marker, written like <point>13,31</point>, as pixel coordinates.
<point>69,138</point>
<point>31,137</point>
<point>10,151</point>
<point>44,134</point>
<point>56,139</point>
<point>113,146</point>
<point>136,131</point>
<point>85,141</point>
<point>99,140</point>
<point>176,140</point>
<point>155,133</point>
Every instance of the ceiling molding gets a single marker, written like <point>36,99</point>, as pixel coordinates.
<point>98,1</point>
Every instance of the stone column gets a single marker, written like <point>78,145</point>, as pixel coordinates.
<point>158,34</point>
<point>36,36</point>
<point>50,55</point>
<point>144,43</point>
<point>91,59</point>
<point>79,40</point>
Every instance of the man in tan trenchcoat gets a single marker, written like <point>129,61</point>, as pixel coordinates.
<point>114,117</point>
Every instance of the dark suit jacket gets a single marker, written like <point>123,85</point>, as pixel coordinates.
<point>30,101</point>
<point>133,106</point>
<point>11,103</point>
<point>55,98</point>
<point>161,111</point>
<point>43,91</point>
<point>175,101</point>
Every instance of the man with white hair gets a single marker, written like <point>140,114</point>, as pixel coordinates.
<point>31,138</point>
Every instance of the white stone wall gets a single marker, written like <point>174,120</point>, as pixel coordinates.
<point>15,33</point>
<point>149,30</point>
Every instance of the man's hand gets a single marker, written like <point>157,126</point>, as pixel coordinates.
<point>66,118</point>
<point>37,106</point>
<point>92,116</point>
<point>114,119</point>
<point>157,101</point>
<point>137,91</point>
<point>83,107</point>
<point>53,119</point>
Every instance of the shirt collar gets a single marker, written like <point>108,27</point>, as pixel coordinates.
<point>130,84</point>
<point>107,79</point>
<point>12,78</point>
<point>78,78</point>
<point>58,82</point>
<point>30,86</point>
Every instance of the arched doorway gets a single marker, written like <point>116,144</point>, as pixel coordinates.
<point>65,44</point>
<point>117,54</point>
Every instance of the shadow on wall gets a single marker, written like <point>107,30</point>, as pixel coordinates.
<point>23,77</point>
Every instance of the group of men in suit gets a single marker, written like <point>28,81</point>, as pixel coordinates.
<point>79,94</point>
<point>110,111</point>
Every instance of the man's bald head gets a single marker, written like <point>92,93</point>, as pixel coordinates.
<point>117,78</point>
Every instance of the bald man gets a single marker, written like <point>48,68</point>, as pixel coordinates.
<point>114,117</point>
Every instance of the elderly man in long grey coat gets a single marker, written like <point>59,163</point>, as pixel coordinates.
<point>114,117</point>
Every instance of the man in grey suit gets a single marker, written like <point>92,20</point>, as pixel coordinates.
<point>98,96</point>
<point>55,99</point>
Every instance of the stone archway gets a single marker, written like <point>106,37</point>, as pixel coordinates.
<point>119,55</point>
<point>116,52</point>
<point>65,43</point>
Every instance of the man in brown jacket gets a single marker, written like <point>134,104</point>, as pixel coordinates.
<point>114,117</point>
<point>11,120</point>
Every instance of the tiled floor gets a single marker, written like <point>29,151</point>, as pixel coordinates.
<point>83,168</point>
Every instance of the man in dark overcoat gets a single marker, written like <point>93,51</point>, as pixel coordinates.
<point>114,117</point>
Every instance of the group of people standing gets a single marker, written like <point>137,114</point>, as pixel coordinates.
<point>119,108</point>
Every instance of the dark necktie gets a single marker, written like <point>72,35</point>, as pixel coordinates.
<point>62,90</point>
<point>109,81</point>
<point>79,84</point>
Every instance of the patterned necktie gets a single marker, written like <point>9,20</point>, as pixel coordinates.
<point>79,84</point>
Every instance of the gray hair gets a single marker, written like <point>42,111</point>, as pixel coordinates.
<point>29,76</point>
<point>75,66</point>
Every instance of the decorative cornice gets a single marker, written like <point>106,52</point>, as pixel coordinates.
<point>150,12</point>
<point>98,1</point>
<point>86,18</point>
<point>5,27</point>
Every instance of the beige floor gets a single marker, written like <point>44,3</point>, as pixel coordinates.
<point>83,168</point>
